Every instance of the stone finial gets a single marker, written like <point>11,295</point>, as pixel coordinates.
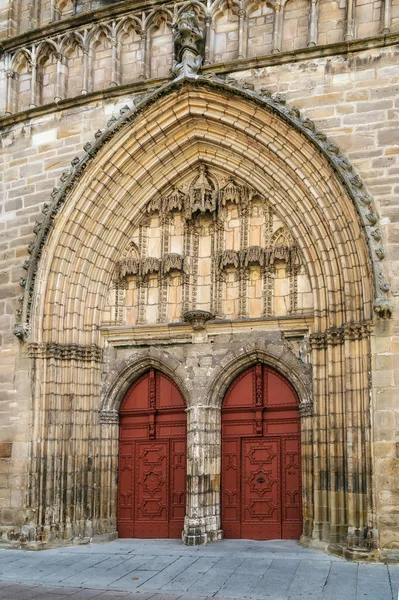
<point>188,38</point>
<point>198,318</point>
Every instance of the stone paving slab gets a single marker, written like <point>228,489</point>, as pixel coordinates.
<point>167,570</point>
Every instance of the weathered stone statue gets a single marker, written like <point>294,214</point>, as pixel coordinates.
<point>188,38</point>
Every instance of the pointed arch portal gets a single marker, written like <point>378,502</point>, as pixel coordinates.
<point>152,459</point>
<point>206,229</point>
<point>261,457</point>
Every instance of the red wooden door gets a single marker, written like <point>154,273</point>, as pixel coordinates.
<point>152,459</point>
<point>261,471</point>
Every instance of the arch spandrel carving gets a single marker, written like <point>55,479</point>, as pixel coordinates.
<point>301,173</point>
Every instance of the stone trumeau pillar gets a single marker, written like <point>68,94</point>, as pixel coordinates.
<point>202,521</point>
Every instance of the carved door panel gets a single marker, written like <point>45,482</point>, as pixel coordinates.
<point>261,489</point>
<point>125,489</point>
<point>291,488</point>
<point>177,487</point>
<point>231,488</point>
<point>151,489</point>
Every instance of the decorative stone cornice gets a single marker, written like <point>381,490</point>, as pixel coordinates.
<point>344,170</point>
<point>198,318</point>
<point>91,353</point>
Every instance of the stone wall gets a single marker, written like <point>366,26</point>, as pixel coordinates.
<point>124,46</point>
<point>353,98</point>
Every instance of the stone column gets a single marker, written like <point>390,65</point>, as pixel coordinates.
<point>359,484</point>
<point>313,24</point>
<point>208,33</point>
<point>115,76</point>
<point>10,77</point>
<point>108,484</point>
<point>85,86</point>
<point>145,55</point>
<point>306,412</point>
<point>277,28</point>
<point>320,529</point>
<point>242,34</point>
<point>33,86</point>
<point>335,438</point>
<point>202,521</point>
<point>350,22</point>
<point>58,86</point>
<point>386,17</point>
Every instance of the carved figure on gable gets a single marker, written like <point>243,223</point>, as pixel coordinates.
<point>202,196</point>
<point>188,38</point>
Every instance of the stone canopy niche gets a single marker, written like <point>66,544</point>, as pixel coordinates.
<point>212,243</point>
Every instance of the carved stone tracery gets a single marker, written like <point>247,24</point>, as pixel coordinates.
<point>206,204</point>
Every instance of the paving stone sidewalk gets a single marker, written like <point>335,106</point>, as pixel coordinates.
<point>167,570</point>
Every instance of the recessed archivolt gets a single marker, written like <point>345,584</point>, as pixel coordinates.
<point>120,379</point>
<point>272,353</point>
<point>285,159</point>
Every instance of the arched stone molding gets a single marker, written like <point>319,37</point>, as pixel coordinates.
<point>319,197</point>
<point>273,353</point>
<point>125,373</point>
<point>341,177</point>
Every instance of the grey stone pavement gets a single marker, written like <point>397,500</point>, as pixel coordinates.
<point>167,570</point>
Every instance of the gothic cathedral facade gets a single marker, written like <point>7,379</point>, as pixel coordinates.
<point>198,264</point>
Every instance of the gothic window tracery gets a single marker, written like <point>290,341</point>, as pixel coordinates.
<point>214,244</point>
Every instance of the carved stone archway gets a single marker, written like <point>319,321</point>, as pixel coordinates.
<point>124,374</point>
<point>186,126</point>
<point>202,522</point>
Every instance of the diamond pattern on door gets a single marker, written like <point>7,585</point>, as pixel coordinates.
<point>260,489</point>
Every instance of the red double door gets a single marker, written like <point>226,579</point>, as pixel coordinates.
<point>261,470</point>
<point>152,459</point>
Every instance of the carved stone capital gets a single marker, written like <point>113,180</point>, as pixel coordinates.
<point>335,336</point>
<point>305,409</point>
<point>109,417</point>
<point>82,353</point>
<point>356,331</point>
<point>318,341</point>
<point>198,318</point>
